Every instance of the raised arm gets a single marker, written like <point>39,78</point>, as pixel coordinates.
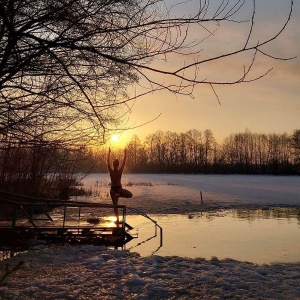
<point>108,159</point>
<point>124,160</point>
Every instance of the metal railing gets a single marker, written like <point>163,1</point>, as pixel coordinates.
<point>38,209</point>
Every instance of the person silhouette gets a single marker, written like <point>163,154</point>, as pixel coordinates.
<point>116,189</point>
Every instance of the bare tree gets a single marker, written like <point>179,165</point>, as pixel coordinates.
<point>65,66</point>
<point>295,140</point>
<point>136,156</point>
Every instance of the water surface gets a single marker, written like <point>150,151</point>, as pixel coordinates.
<point>258,236</point>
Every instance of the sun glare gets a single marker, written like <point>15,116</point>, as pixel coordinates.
<point>117,141</point>
<point>115,138</point>
<point>111,221</point>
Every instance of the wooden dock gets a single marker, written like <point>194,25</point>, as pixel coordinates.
<point>26,218</point>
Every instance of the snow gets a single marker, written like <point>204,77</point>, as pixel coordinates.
<point>180,193</point>
<point>91,272</point>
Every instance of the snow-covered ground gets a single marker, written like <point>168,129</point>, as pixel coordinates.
<point>90,272</point>
<point>180,193</point>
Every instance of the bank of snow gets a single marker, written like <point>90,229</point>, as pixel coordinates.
<point>90,272</point>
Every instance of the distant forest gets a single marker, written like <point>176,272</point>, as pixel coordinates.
<point>42,168</point>
<point>198,152</point>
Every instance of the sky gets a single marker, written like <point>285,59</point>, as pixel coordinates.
<point>269,105</point>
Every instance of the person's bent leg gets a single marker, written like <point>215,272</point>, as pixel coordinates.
<point>125,194</point>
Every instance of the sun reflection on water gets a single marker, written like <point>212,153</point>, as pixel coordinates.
<point>110,221</point>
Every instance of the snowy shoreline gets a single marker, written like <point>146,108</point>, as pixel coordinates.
<point>90,272</point>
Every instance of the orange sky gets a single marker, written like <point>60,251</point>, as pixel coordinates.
<point>271,104</point>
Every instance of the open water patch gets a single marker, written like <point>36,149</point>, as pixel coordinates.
<point>257,236</point>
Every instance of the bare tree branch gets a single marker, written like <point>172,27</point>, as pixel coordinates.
<point>65,66</point>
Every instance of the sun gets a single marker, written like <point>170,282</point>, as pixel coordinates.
<point>114,138</point>
<point>117,141</point>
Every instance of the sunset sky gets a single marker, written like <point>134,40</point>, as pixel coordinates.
<point>269,105</point>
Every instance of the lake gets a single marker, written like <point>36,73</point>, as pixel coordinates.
<point>251,218</point>
<point>242,217</point>
<point>246,235</point>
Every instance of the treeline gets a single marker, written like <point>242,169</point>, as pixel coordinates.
<point>41,168</point>
<point>198,152</point>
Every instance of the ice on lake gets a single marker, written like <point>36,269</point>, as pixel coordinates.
<point>156,192</point>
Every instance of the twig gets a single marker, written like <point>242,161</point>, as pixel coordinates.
<point>8,272</point>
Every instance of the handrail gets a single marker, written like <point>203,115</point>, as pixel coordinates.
<point>29,201</point>
<point>24,205</point>
<point>68,203</point>
<point>16,195</point>
<point>144,214</point>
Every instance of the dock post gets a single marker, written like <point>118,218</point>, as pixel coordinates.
<point>79,213</point>
<point>124,218</point>
<point>64,221</point>
<point>14,217</point>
